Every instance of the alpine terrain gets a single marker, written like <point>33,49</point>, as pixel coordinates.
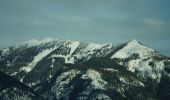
<point>53,69</point>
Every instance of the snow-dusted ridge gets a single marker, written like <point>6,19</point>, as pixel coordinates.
<point>35,42</point>
<point>36,59</point>
<point>66,69</point>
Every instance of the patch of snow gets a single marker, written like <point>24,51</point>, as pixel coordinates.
<point>122,79</point>
<point>131,48</point>
<point>13,73</point>
<point>5,51</point>
<point>95,76</point>
<point>33,83</point>
<point>22,79</point>
<point>141,84</point>
<point>66,57</point>
<point>138,83</point>
<point>110,69</point>
<point>36,59</point>
<point>69,60</point>
<point>8,64</point>
<point>133,64</point>
<point>50,76</point>
<point>52,65</point>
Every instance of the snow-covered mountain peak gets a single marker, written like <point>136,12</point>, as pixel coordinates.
<point>133,41</point>
<point>133,47</point>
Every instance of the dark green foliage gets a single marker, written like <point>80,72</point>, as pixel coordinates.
<point>164,88</point>
<point>151,64</point>
<point>9,83</point>
<point>78,86</point>
<point>167,69</point>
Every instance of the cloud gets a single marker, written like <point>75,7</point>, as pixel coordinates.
<point>153,23</point>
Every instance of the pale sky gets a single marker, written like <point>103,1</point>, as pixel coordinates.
<point>101,21</point>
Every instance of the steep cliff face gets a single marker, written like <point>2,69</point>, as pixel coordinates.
<point>54,69</point>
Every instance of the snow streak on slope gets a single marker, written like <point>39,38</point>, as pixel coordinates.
<point>36,59</point>
<point>131,48</point>
<point>72,45</point>
<point>52,65</point>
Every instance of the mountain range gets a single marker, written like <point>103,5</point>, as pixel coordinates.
<point>53,69</point>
